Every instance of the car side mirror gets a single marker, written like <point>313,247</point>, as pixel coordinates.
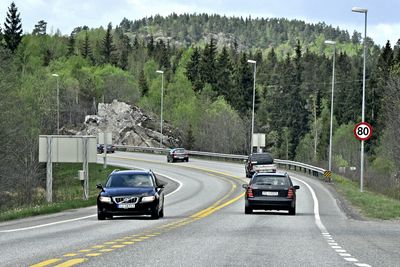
<point>245,186</point>
<point>100,186</point>
<point>296,187</point>
<point>161,186</point>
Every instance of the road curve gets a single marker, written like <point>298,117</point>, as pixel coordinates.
<point>205,225</point>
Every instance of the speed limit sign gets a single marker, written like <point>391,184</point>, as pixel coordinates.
<point>363,131</point>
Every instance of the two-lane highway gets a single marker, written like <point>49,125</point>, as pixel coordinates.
<point>204,225</point>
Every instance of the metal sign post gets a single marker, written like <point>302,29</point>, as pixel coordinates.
<point>85,169</point>
<point>362,131</point>
<point>49,170</point>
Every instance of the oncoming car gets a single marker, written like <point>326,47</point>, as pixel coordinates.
<point>100,148</point>
<point>177,154</point>
<point>131,192</point>
<point>270,191</point>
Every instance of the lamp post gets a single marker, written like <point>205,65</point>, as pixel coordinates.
<point>333,89</point>
<point>365,11</point>
<point>162,96</point>
<point>58,104</point>
<point>254,98</point>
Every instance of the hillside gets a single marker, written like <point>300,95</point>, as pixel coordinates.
<point>245,33</point>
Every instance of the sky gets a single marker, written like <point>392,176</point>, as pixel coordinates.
<point>383,22</point>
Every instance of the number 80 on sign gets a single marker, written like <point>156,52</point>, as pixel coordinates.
<point>363,131</point>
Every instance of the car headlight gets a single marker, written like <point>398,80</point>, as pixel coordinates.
<point>148,199</point>
<point>105,199</point>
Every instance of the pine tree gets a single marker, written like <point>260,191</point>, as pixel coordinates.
<point>40,28</point>
<point>86,50</point>
<point>107,46</point>
<point>207,63</point>
<point>143,86</point>
<point>150,46</point>
<point>12,28</point>
<point>243,88</point>
<point>71,45</point>
<point>193,70</point>
<point>224,70</point>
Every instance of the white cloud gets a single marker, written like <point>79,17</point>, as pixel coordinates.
<point>380,33</point>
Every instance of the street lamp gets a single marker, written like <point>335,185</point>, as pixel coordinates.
<point>333,89</point>
<point>365,11</point>
<point>162,96</point>
<point>254,97</point>
<point>58,104</point>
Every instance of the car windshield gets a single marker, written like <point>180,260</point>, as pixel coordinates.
<point>270,180</point>
<point>130,180</point>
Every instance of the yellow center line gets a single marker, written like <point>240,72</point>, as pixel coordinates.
<point>93,254</point>
<point>71,262</point>
<point>45,263</point>
<point>70,254</point>
<point>118,246</point>
<point>106,250</point>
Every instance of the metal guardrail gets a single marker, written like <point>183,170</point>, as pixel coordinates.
<point>287,164</point>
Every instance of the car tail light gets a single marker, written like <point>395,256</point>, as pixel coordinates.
<point>250,166</point>
<point>250,192</point>
<point>290,193</point>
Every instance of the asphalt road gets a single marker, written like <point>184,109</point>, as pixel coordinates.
<point>204,225</point>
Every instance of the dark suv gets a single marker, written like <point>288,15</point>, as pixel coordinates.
<point>259,162</point>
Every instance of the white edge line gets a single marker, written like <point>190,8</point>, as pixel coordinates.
<point>317,218</point>
<point>47,224</point>
<point>89,216</point>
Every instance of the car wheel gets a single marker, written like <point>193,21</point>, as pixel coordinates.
<point>155,214</point>
<point>101,216</point>
<point>292,211</point>
<point>248,210</point>
<point>161,213</point>
<point>187,160</point>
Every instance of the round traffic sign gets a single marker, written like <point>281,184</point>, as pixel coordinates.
<point>363,131</point>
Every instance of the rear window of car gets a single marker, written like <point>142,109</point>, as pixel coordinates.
<point>271,180</point>
<point>130,180</point>
<point>180,150</point>
<point>261,158</point>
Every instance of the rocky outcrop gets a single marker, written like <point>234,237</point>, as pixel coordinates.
<point>130,125</point>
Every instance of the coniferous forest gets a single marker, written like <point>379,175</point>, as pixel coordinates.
<point>208,88</point>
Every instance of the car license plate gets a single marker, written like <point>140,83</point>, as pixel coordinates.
<point>126,206</point>
<point>269,193</point>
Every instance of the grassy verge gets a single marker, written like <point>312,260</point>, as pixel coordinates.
<point>371,204</point>
<point>67,191</point>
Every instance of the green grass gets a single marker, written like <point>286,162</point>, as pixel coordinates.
<point>369,203</point>
<point>67,191</point>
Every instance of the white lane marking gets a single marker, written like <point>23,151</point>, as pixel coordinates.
<point>324,231</point>
<point>85,217</point>
<point>351,259</point>
<point>317,218</point>
<point>47,224</point>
